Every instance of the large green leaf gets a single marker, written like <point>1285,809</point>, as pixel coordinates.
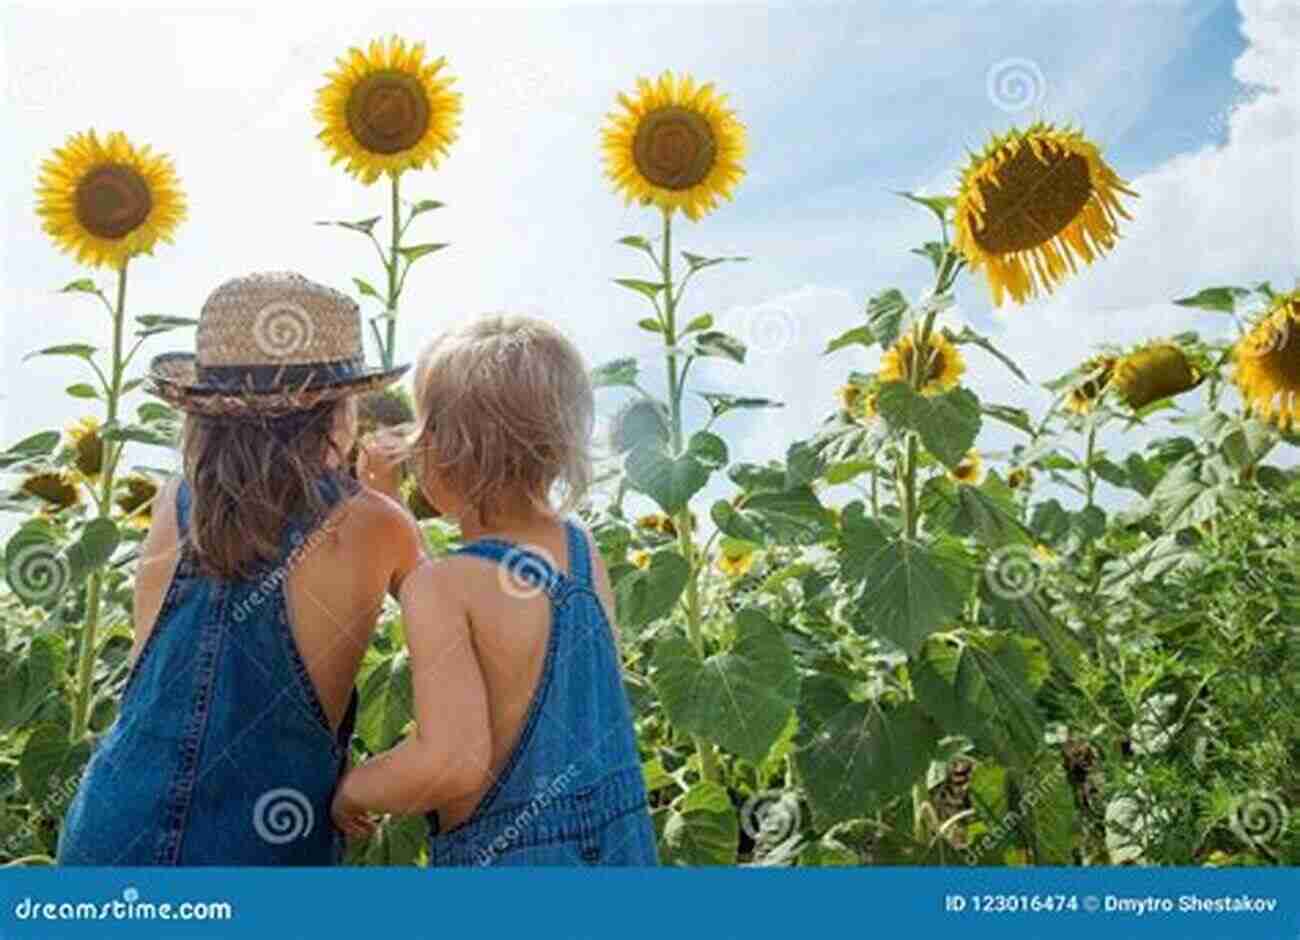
<point>643,596</point>
<point>387,703</point>
<point>987,511</point>
<point>618,372</point>
<point>948,424</point>
<point>854,755</point>
<point>1217,299</point>
<point>703,828</point>
<point>906,590</point>
<point>38,445</point>
<point>50,763</point>
<point>785,517</point>
<point>885,313</point>
<point>399,841</point>
<point>670,482</point>
<point>739,699</point>
<point>983,685</point>
<point>26,681</point>
<point>99,539</point>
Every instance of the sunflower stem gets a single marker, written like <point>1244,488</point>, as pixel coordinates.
<point>94,590</point>
<point>386,350</point>
<point>685,536</point>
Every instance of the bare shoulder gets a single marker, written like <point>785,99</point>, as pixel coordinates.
<point>381,529</point>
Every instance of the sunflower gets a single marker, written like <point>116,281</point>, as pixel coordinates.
<point>1034,202</point>
<point>105,201</point>
<point>1268,363</point>
<point>386,110</point>
<point>858,403</point>
<point>941,361</point>
<point>640,558</point>
<point>1097,373</point>
<point>56,489</point>
<point>675,145</point>
<point>1019,478</point>
<point>87,448</point>
<point>641,420</point>
<point>137,502</point>
<point>1157,371</point>
<point>735,561</point>
<point>969,470</point>
<point>664,525</point>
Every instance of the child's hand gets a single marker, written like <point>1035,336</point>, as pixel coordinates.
<point>350,818</point>
<point>379,465</point>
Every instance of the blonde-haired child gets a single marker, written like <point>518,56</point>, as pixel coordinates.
<point>504,417</point>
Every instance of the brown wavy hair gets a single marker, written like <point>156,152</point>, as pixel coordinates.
<point>249,477</point>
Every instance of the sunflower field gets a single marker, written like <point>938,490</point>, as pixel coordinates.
<point>887,647</point>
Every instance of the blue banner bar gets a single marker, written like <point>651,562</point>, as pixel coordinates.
<point>597,904</point>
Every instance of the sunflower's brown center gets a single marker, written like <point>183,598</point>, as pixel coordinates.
<point>89,457</point>
<point>51,488</point>
<point>1033,200</point>
<point>388,112</point>
<point>113,200</point>
<point>674,148</point>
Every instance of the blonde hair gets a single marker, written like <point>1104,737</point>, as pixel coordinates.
<point>504,412</point>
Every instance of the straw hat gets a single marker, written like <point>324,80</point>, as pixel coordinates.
<point>269,344</point>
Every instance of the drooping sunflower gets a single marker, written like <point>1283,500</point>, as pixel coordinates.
<point>675,145</point>
<point>1019,477</point>
<point>87,447</point>
<point>386,110</point>
<point>1153,372</point>
<point>1267,362</point>
<point>940,362</point>
<point>136,500</point>
<point>57,490</point>
<point>105,201</point>
<point>1032,205</point>
<point>969,470</point>
<point>640,558</point>
<point>858,403</point>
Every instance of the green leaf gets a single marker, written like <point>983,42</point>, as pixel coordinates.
<point>988,512</point>
<point>615,373</point>
<point>885,314</point>
<point>855,755</point>
<point>98,541</point>
<point>789,517</point>
<point>139,434</point>
<point>739,699</point>
<point>669,482</point>
<point>82,390</point>
<point>425,205</point>
<point>967,336</point>
<point>79,350</point>
<point>366,290</point>
<point>939,205</point>
<point>702,322</point>
<point>947,424</point>
<point>650,325</point>
<point>703,828</point>
<point>38,445</point>
<point>935,252</point>
<point>845,470</point>
<point>905,590</point>
<point>720,345</point>
<point>649,289</point>
<point>720,402</point>
<point>636,241</point>
<point>983,685</point>
<point>1017,418</point>
<point>859,336</point>
<point>398,841</point>
<point>1217,299</point>
<point>151,321</point>
<point>736,524</point>
<point>803,464</point>
<point>413,253</point>
<point>708,449</point>
<point>28,682</point>
<point>364,226</point>
<point>699,262</point>
<point>387,703</point>
<point>50,763</point>
<point>82,285</point>
<point>643,596</point>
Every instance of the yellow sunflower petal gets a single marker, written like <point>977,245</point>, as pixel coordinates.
<point>386,110</point>
<point>1267,363</point>
<point>675,145</point>
<point>940,363</point>
<point>106,201</point>
<point>1032,205</point>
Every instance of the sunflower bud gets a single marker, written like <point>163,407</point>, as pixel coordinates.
<point>136,502</point>
<point>1153,373</point>
<point>87,447</point>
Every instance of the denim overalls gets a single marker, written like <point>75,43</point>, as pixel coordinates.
<point>222,753</point>
<point>572,791</point>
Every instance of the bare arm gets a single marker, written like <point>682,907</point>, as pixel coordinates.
<point>449,754</point>
<point>153,574</point>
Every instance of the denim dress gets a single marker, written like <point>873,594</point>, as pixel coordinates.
<point>571,792</point>
<point>221,753</point>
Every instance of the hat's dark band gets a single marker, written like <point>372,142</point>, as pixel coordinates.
<point>281,377</point>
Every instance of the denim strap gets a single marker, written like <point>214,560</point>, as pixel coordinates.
<point>579,558</point>
<point>519,563</point>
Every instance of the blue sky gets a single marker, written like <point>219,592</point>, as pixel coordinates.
<point>1195,102</point>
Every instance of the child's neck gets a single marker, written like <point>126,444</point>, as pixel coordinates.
<point>519,519</point>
